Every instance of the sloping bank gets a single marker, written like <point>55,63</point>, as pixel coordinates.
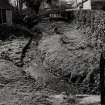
<point>57,62</point>
<point>72,57</point>
<point>67,61</point>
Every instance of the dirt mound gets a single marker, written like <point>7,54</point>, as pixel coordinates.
<point>67,55</point>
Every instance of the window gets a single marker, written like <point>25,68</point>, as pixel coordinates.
<point>3,15</point>
<point>0,17</point>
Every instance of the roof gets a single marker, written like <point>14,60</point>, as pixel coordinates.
<point>5,4</point>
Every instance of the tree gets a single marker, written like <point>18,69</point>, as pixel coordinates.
<point>35,4</point>
<point>20,4</point>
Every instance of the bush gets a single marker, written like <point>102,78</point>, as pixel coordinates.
<point>92,23</point>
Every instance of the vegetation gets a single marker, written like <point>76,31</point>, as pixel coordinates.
<point>92,24</point>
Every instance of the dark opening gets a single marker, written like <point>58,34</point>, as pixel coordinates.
<point>0,17</point>
<point>4,15</point>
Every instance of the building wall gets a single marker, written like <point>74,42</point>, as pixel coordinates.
<point>87,5</point>
<point>5,16</point>
<point>8,16</point>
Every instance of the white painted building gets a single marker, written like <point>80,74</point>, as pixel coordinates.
<point>84,4</point>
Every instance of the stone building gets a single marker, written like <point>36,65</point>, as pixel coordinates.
<point>5,12</point>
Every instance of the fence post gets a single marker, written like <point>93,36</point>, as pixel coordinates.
<point>102,78</point>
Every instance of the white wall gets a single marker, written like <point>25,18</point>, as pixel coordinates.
<point>87,5</point>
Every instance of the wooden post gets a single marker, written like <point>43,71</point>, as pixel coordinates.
<point>102,78</point>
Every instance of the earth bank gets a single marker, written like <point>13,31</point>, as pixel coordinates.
<point>65,62</point>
